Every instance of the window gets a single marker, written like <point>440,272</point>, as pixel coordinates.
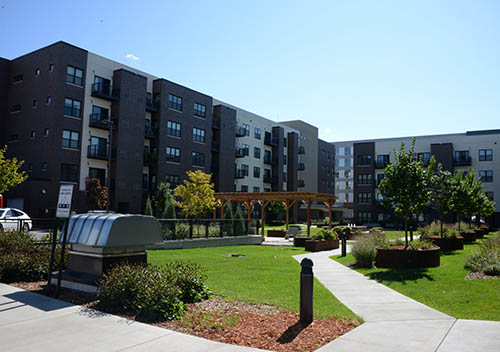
<point>364,197</point>
<point>72,107</point>
<point>365,159</point>
<point>70,139</point>
<point>46,132</point>
<point>380,177</point>
<point>285,142</point>
<point>490,195</point>
<point>145,181</point>
<point>173,154</point>
<point>424,157</point>
<point>44,166</point>
<point>461,156</point>
<point>69,172</point>
<point>49,99</point>
<point>244,169</point>
<point>257,133</point>
<point>198,159</point>
<point>35,103</point>
<point>18,79</point>
<point>74,75</point>
<point>246,128</point>
<point>347,162</point>
<point>200,110</point>
<point>98,148</point>
<point>33,134</point>
<point>267,189</point>
<point>382,161</point>
<point>364,179</point>
<point>284,177</point>
<point>256,172</point>
<point>347,151</point>
<point>256,189</point>
<point>198,135</point>
<point>364,216</point>
<point>37,72</point>
<point>246,149</point>
<point>173,180</point>
<point>175,102</point>
<point>244,188</point>
<point>173,129</point>
<point>51,67</point>
<point>486,175</point>
<point>15,108</point>
<point>485,154</point>
<point>13,138</point>
<point>256,152</point>
<point>99,174</point>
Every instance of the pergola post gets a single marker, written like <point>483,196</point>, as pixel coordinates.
<point>223,205</point>
<point>288,204</point>
<point>263,205</point>
<point>309,202</point>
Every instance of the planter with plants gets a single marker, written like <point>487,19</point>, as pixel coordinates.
<point>418,254</point>
<point>469,235</point>
<point>448,240</point>
<point>322,240</point>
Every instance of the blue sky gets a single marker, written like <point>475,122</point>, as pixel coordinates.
<point>355,69</point>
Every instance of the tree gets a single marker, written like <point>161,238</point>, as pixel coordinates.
<point>163,195</point>
<point>95,194</point>
<point>405,186</point>
<point>9,172</point>
<point>442,195</point>
<point>169,210</point>
<point>461,195</point>
<point>149,208</point>
<point>485,206</point>
<point>239,222</point>
<point>227,225</point>
<point>196,195</point>
<point>276,208</point>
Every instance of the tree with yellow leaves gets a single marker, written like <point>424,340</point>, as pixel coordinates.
<point>9,172</point>
<point>196,196</point>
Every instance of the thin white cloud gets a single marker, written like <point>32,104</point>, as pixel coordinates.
<point>132,57</point>
<point>328,130</point>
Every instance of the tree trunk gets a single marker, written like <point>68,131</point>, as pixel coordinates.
<point>406,232</point>
<point>441,223</point>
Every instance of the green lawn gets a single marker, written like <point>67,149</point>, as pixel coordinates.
<point>283,227</point>
<point>267,275</point>
<point>444,287</point>
<point>394,234</point>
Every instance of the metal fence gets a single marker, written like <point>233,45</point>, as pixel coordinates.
<point>205,228</point>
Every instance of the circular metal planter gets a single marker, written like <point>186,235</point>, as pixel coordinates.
<point>448,244</point>
<point>323,245</point>
<point>469,237</point>
<point>403,258</point>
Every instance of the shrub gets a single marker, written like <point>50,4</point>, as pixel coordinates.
<point>239,222</point>
<point>22,259</point>
<point>420,244</point>
<point>450,233</point>
<point>364,251</point>
<point>486,258</point>
<point>149,208</point>
<point>152,293</point>
<point>227,225</point>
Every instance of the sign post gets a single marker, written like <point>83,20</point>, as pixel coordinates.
<point>63,211</point>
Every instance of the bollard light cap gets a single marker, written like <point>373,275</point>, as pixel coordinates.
<point>306,263</point>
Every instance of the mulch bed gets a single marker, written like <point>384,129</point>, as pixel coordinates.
<point>259,326</point>
<point>481,276</point>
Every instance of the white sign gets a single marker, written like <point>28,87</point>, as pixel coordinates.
<point>64,202</point>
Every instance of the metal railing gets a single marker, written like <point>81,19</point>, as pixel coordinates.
<point>104,90</point>
<point>96,152</point>
<point>180,229</point>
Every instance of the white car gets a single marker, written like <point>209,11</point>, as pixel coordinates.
<point>14,219</point>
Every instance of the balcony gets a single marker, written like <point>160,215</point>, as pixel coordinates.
<point>150,158</point>
<point>267,178</point>
<point>149,132</point>
<point>268,160</point>
<point>240,131</point>
<point>105,91</point>
<point>241,152</point>
<point>271,141</point>
<point>97,152</point>
<point>99,120</point>
<point>301,167</point>
<point>215,146</point>
<point>463,161</point>
<point>152,104</point>
<point>301,183</point>
<point>381,164</point>
<point>302,150</point>
<point>240,173</point>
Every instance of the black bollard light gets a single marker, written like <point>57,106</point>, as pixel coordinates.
<point>306,291</point>
<point>343,237</point>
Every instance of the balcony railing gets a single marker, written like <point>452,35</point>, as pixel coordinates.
<point>240,173</point>
<point>301,167</point>
<point>268,160</point>
<point>271,141</point>
<point>99,120</point>
<point>149,132</point>
<point>105,91</point>
<point>216,123</point>
<point>150,158</point>
<point>241,152</point>
<point>267,178</point>
<point>381,164</point>
<point>302,150</point>
<point>301,183</point>
<point>215,146</point>
<point>152,104</point>
<point>97,152</point>
<point>465,161</point>
<point>240,131</point>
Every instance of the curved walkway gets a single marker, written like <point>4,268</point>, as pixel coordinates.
<point>394,322</point>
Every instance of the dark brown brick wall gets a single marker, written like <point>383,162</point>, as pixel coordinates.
<point>224,157</point>
<point>292,162</point>
<point>277,155</point>
<point>326,163</point>
<point>361,149</point>
<point>444,155</point>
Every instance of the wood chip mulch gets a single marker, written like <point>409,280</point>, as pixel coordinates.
<point>259,326</point>
<point>481,276</point>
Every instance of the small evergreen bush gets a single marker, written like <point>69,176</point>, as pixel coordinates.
<point>239,222</point>
<point>364,251</point>
<point>227,225</point>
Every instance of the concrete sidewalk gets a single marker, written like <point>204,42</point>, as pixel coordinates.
<point>394,322</point>
<point>33,322</point>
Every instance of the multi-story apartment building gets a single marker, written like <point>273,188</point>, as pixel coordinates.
<point>360,167</point>
<point>71,114</point>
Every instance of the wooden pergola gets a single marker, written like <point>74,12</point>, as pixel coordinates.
<point>288,199</point>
